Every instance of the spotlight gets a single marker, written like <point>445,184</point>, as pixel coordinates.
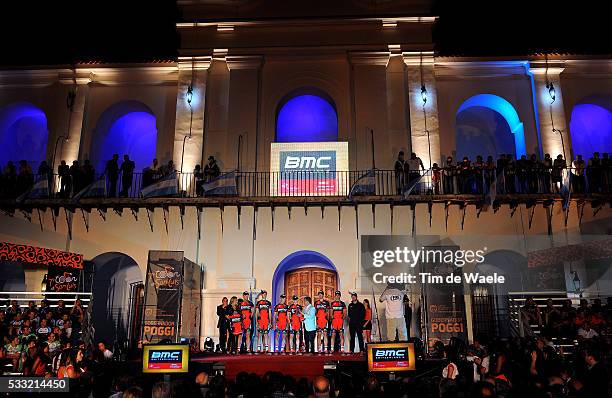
<point>189,94</point>
<point>209,345</point>
<point>423,94</point>
<point>551,91</point>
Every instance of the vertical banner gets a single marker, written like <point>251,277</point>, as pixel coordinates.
<point>191,308</point>
<point>445,302</point>
<point>163,294</point>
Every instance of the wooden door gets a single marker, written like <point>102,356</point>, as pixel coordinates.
<point>308,281</point>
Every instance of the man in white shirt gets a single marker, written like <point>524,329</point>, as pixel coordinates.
<point>585,332</point>
<point>106,353</point>
<point>394,313</point>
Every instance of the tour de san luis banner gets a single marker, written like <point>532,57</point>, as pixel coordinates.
<point>163,294</point>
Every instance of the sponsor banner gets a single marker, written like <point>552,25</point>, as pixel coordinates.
<point>163,292</point>
<point>61,279</point>
<point>165,358</point>
<point>391,357</point>
<point>309,168</point>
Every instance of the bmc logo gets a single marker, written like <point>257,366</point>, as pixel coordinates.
<point>166,356</point>
<point>307,162</point>
<point>391,354</point>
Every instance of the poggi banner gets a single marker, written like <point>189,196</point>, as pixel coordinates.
<point>163,293</point>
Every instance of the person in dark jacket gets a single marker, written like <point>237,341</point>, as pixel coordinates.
<point>596,377</point>
<point>356,316</point>
<point>222,323</point>
<point>127,175</point>
<point>63,170</point>
<point>211,170</point>
<point>112,173</point>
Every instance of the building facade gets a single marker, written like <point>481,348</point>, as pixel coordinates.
<point>357,74</point>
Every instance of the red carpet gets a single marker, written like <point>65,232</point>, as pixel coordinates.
<point>307,365</point>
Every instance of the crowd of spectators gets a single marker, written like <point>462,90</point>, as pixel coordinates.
<point>43,340</point>
<point>524,175</point>
<point>586,322</point>
<point>120,176</point>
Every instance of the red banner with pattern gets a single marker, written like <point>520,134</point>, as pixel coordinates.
<point>39,255</point>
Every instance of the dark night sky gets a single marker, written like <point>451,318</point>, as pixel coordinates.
<point>112,30</point>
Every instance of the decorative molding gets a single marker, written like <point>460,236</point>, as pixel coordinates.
<point>414,58</point>
<point>467,70</point>
<point>244,61</point>
<point>196,62</point>
<point>379,58</point>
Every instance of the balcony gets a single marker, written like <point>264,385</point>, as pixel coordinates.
<point>303,188</point>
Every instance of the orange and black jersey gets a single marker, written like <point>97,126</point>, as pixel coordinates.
<point>281,311</point>
<point>295,310</point>
<point>246,308</point>
<point>322,308</point>
<point>337,308</point>
<point>263,306</point>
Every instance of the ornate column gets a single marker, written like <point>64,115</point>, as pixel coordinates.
<point>190,112</point>
<point>551,113</point>
<point>424,127</point>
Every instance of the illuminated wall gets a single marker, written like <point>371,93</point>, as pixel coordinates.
<point>128,127</point>
<point>487,124</point>
<point>23,134</point>
<point>591,126</point>
<point>307,118</point>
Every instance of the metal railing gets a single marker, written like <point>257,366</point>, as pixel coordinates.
<point>453,181</point>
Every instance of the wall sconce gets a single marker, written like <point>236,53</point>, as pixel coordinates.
<point>423,94</point>
<point>551,92</point>
<point>189,94</point>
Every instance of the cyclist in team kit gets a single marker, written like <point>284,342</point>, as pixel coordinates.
<point>295,325</point>
<point>281,323</point>
<point>246,310</point>
<point>262,311</point>
<point>338,314</point>
<point>322,317</point>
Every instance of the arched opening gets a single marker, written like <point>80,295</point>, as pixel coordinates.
<point>306,115</point>
<point>125,128</point>
<point>311,261</point>
<point>117,289</point>
<point>591,126</point>
<point>487,124</point>
<point>23,134</point>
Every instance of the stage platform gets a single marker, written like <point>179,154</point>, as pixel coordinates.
<point>296,365</point>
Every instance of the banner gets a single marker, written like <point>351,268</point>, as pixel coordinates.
<point>40,256</point>
<point>365,185</point>
<point>163,294</point>
<point>62,279</point>
<point>445,303</point>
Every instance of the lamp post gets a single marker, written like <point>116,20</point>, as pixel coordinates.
<point>577,283</point>
<point>424,99</point>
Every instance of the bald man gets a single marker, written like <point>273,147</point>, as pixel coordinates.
<point>320,386</point>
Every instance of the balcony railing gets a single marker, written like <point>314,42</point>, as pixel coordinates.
<point>329,183</point>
